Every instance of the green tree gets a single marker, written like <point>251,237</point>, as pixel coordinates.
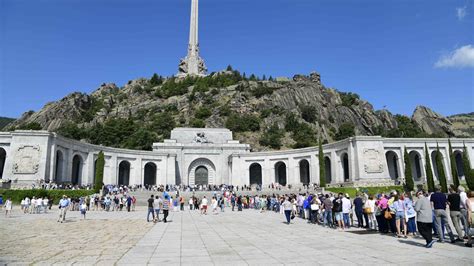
<point>322,165</point>
<point>409,183</point>
<point>346,130</point>
<point>243,122</point>
<point>99,172</point>
<point>30,126</point>
<point>468,172</point>
<point>272,137</point>
<point>142,139</point>
<point>156,80</point>
<point>309,113</point>
<point>229,68</point>
<point>203,112</point>
<point>429,171</point>
<point>304,136</point>
<point>441,172</point>
<point>71,130</point>
<point>198,123</point>
<point>452,161</point>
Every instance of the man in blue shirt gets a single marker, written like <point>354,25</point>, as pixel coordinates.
<point>63,205</point>
<point>438,203</point>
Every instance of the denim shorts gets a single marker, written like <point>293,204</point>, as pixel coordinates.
<point>400,215</point>
<point>338,216</point>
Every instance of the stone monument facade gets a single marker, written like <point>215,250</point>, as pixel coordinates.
<point>193,64</point>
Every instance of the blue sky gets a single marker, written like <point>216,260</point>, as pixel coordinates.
<point>397,54</point>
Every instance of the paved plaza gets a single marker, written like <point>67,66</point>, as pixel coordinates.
<point>230,238</point>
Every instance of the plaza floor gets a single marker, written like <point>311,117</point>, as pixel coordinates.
<point>229,238</point>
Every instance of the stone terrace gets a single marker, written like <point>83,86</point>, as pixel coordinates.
<point>230,238</point>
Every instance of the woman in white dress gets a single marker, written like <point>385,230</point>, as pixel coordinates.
<point>8,207</point>
<point>214,205</point>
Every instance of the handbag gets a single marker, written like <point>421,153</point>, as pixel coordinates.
<point>314,207</point>
<point>388,214</point>
<point>368,210</point>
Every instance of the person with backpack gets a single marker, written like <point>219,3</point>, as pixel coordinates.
<point>337,209</point>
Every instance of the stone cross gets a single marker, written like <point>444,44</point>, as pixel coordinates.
<point>193,64</point>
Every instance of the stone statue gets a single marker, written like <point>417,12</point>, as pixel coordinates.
<point>201,138</point>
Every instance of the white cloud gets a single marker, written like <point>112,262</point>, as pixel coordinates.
<point>461,12</point>
<point>459,58</point>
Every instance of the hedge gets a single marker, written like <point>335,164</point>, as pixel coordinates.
<point>352,191</point>
<point>18,194</point>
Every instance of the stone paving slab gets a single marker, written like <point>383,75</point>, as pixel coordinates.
<point>229,238</point>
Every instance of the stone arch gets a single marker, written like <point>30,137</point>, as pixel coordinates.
<point>149,173</point>
<point>124,173</point>
<point>280,173</point>
<point>459,163</point>
<point>77,165</point>
<point>434,165</point>
<point>327,169</point>
<point>59,167</point>
<point>255,174</point>
<point>345,166</point>
<point>304,172</point>
<point>392,164</point>
<point>416,165</point>
<point>208,165</point>
<point>3,159</point>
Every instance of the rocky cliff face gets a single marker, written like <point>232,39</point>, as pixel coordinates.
<point>272,101</point>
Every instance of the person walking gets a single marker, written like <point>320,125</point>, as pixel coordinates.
<point>8,207</point>
<point>204,205</point>
<point>166,208</point>
<point>470,218</point>
<point>454,202</point>
<point>287,207</point>
<point>151,210</point>
<point>83,209</point>
<point>156,207</point>
<point>439,202</point>
<point>63,206</point>
<point>424,218</point>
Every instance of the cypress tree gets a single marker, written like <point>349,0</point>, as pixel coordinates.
<point>429,171</point>
<point>322,166</point>
<point>409,183</point>
<point>468,172</point>
<point>454,170</point>
<point>99,172</point>
<point>441,173</point>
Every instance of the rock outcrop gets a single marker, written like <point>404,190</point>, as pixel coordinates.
<point>433,123</point>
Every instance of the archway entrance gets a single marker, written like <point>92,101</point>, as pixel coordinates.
<point>124,173</point>
<point>3,158</point>
<point>459,164</point>
<point>201,175</point>
<point>304,172</point>
<point>280,173</point>
<point>327,168</point>
<point>433,163</point>
<point>345,166</point>
<point>415,160</point>
<point>392,163</point>
<point>255,173</point>
<point>59,171</point>
<point>76,170</point>
<point>150,174</point>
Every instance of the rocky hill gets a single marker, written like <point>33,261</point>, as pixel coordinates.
<point>5,121</point>
<point>266,113</point>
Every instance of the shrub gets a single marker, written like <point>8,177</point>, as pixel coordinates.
<point>346,130</point>
<point>441,174</point>
<point>242,123</point>
<point>262,90</point>
<point>272,137</point>
<point>309,113</point>
<point>56,194</point>
<point>99,172</point>
<point>348,98</point>
<point>30,126</point>
<point>454,171</point>
<point>203,113</point>
<point>429,171</point>
<point>196,122</point>
<point>409,183</point>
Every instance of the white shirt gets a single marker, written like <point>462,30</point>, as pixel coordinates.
<point>463,196</point>
<point>204,202</point>
<point>346,205</point>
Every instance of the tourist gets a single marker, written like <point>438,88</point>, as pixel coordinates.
<point>151,209</point>
<point>337,209</point>
<point>346,210</point>
<point>221,203</point>
<point>464,210</point>
<point>8,207</point>
<point>166,207</point>
<point>327,208</point>
<point>454,202</point>
<point>359,210</point>
<point>470,207</point>
<point>399,208</point>
<point>315,206</point>
<point>134,203</point>
<point>204,205</point>
<point>129,203</point>
<point>439,202</point>
<point>83,208</point>
<point>181,202</point>
<point>214,205</point>
<point>370,210</point>
<point>156,206</point>
<point>232,201</point>
<point>63,206</point>
<point>22,205</point>
<point>191,203</point>
<point>382,204</point>
<point>424,218</point>
<point>410,215</point>
<point>239,203</point>
<point>287,207</point>
<point>45,204</point>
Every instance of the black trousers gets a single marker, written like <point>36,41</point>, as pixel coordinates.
<point>425,230</point>
<point>165,214</point>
